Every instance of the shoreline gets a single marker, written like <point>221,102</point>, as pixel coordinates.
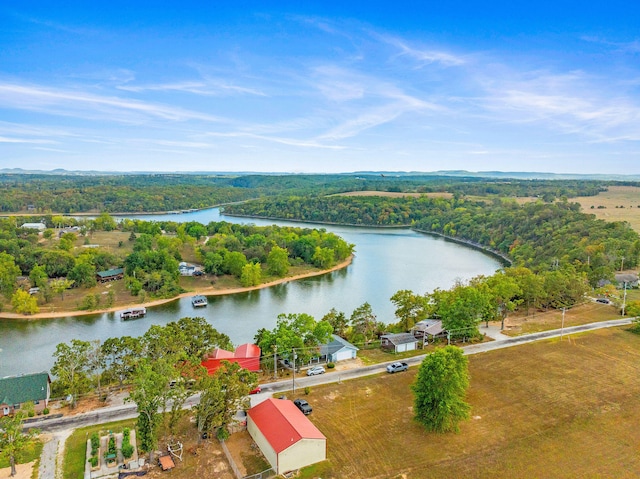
<point>210,291</point>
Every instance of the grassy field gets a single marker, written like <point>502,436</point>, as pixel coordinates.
<point>393,194</point>
<point>554,409</point>
<point>591,312</point>
<point>30,453</point>
<point>618,203</point>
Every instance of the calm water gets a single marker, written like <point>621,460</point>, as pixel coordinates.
<point>386,261</point>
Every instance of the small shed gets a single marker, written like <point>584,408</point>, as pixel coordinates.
<point>338,349</point>
<point>286,437</point>
<point>399,342</point>
<point>110,275</point>
<point>17,390</point>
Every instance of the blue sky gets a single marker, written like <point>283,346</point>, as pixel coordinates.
<point>320,87</point>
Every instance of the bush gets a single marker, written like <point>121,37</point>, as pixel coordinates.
<point>307,390</point>
<point>95,444</point>
<point>330,365</point>
<point>31,413</point>
<point>45,411</point>
<point>93,461</point>
<point>127,450</point>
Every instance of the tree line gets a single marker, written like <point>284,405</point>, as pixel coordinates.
<point>151,256</point>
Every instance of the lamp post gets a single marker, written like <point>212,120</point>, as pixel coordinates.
<point>624,298</point>
<point>293,350</point>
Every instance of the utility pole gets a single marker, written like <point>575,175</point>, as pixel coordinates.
<point>562,327</point>
<point>624,298</point>
<point>293,350</point>
<point>275,362</point>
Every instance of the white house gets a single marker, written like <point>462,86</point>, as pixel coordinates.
<point>338,349</point>
<point>34,226</point>
<point>286,437</point>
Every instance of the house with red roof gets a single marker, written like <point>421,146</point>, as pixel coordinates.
<point>286,437</point>
<point>246,355</point>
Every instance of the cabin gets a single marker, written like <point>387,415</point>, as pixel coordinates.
<point>428,329</point>
<point>338,349</point>
<point>399,342</point>
<point>246,355</point>
<point>286,437</point>
<point>17,390</point>
<point>186,269</point>
<point>109,275</point>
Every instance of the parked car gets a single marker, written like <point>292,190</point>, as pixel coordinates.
<point>397,367</point>
<point>603,301</point>
<point>255,390</point>
<point>315,370</point>
<point>303,406</point>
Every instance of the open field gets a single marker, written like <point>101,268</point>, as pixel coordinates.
<point>590,312</point>
<point>618,203</point>
<point>551,409</point>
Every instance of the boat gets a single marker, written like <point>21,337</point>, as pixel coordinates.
<point>133,313</point>
<point>199,301</point>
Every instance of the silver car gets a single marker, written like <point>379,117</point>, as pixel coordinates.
<point>315,370</point>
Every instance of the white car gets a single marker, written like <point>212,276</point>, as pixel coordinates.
<point>315,370</point>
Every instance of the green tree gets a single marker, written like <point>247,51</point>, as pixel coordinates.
<point>364,322</point>
<point>121,356</point>
<point>24,303</point>
<point>440,388</point>
<point>8,274</point>
<point>278,261</point>
<point>83,274</point>
<point>71,368</point>
<point>338,322</point>
<point>251,275</point>
<point>60,285</point>
<point>410,308</point>
<point>13,439</point>
<point>223,394</point>
<point>233,263</point>
<point>324,257</point>
<point>38,276</point>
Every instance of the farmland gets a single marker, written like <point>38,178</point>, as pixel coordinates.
<point>549,409</point>
<point>618,203</point>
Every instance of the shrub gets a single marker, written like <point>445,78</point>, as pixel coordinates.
<point>93,461</point>
<point>127,450</point>
<point>331,365</point>
<point>45,411</point>
<point>307,390</point>
<point>31,413</point>
<point>95,444</point>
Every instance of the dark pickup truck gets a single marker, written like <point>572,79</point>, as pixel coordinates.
<point>303,406</point>
<point>397,367</point>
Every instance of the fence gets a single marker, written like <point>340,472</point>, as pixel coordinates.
<point>261,475</point>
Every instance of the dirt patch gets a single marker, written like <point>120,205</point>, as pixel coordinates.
<point>23,471</point>
<point>246,454</point>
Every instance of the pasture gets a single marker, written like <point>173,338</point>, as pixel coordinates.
<point>618,203</point>
<point>551,409</point>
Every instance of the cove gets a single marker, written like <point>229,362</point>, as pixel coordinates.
<point>386,260</point>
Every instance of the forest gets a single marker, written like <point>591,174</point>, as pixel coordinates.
<point>120,193</point>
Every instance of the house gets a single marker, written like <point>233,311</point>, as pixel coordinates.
<point>110,275</point>
<point>34,226</point>
<point>286,437</point>
<point>70,229</point>
<point>630,279</point>
<point>399,342</point>
<point>428,329</point>
<point>186,269</point>
<point>337,349</point>
<point>17,390</point>
<point>246,355</point>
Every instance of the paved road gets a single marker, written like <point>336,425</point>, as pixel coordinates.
<point>128,411</point>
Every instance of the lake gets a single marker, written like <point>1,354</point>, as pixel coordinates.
<point>386,260</point>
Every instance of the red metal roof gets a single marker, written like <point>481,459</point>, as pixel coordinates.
<point>220,354</point>
<point>282,423</point>
<point>247,350</point>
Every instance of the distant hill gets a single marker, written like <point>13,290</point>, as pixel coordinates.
<point>521,175</point>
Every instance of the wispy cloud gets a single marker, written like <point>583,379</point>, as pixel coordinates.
<point>4,139</point>
<point>88,105</point>
<point>210,88</point>
<point>424,56</point>
<point>276,139</point>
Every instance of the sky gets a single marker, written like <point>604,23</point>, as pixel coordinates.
<point>320,87</point>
